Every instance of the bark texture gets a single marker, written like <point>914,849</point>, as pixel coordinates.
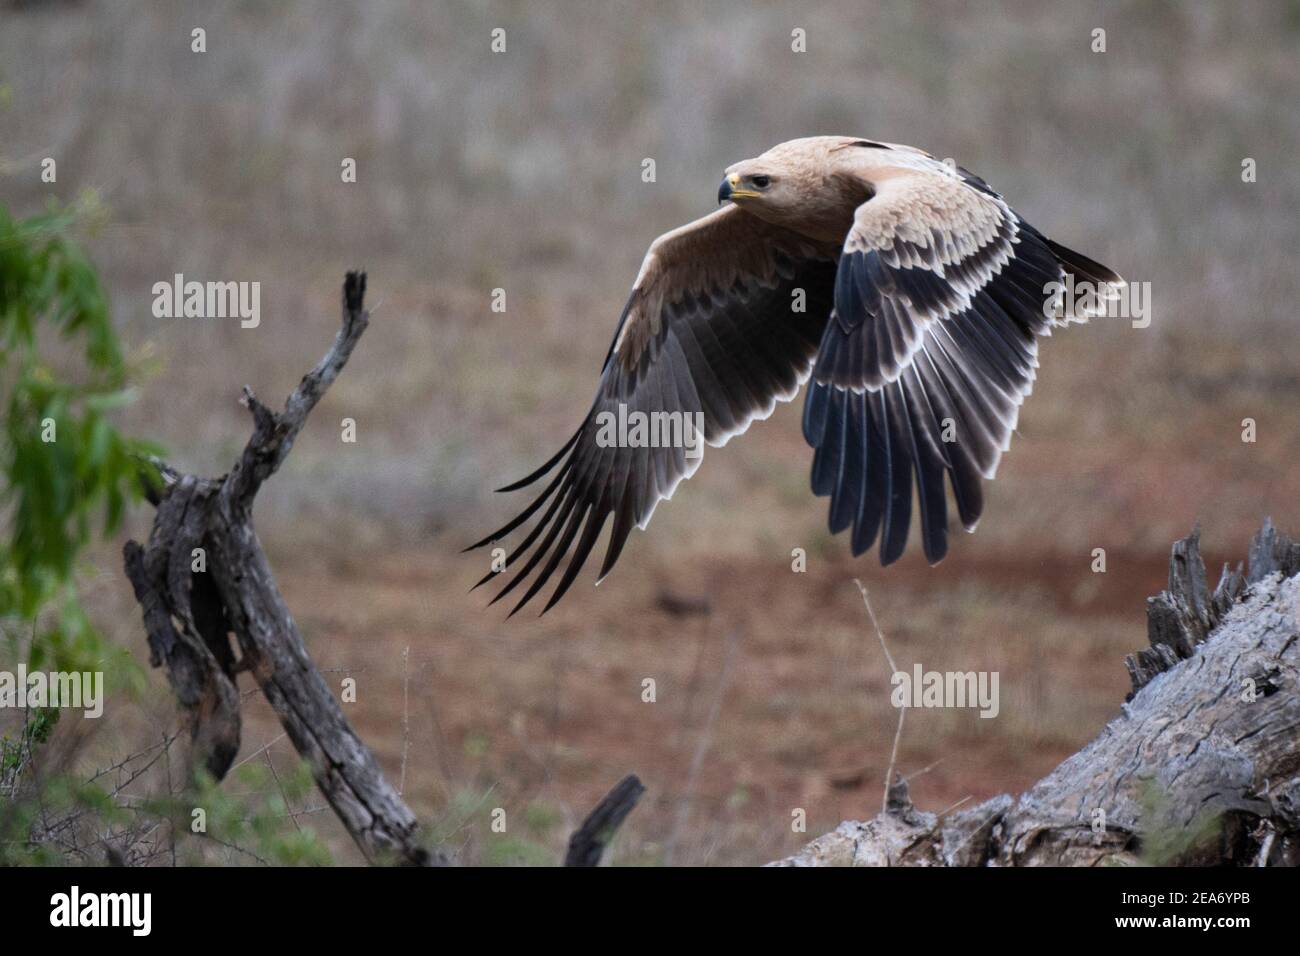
<point>1201,766</point>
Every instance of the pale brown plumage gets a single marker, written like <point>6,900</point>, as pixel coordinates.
<point>923,294</point>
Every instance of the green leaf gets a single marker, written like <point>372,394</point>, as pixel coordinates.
<point>52,491</point>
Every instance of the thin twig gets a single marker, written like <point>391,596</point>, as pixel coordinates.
<point>966,839</point>
<point>406,716</point>
<point>259,751</point>
<point>893,758</point>
<point>702,747</point>
<point>171,825</point>
<point>922,772</point>
<point>902,711</point>
<point>274,773</point>
<point>944,813</point>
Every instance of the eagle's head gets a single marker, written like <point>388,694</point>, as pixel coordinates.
<point>798,182</point>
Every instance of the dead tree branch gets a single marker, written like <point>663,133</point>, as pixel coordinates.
<point>589,841</point>
<point>189,615</point>
<point>1202,766</point>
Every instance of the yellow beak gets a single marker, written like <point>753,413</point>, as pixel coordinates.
<point>730,189</point>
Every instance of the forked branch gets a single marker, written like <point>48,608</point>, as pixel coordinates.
<point>190,613</point>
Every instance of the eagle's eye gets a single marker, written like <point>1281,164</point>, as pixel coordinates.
<point>762,182</point>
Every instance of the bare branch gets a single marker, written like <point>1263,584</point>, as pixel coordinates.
<point>589,841</point>
<point>189,614</point>
<point>273,435</point>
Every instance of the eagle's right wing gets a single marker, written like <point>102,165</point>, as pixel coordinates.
<point>715,326</point>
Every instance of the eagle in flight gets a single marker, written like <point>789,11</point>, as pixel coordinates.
<point>908,291</point>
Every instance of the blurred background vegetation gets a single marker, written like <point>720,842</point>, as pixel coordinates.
<point>522,170</point>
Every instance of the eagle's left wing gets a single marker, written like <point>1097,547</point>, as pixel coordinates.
<point>941,293</point>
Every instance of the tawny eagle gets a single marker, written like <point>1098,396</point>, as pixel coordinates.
<point>905,287</point>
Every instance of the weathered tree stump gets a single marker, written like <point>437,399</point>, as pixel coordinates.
<point>1202,766</point>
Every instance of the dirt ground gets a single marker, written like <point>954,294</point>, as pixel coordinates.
<point>772,700</point>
